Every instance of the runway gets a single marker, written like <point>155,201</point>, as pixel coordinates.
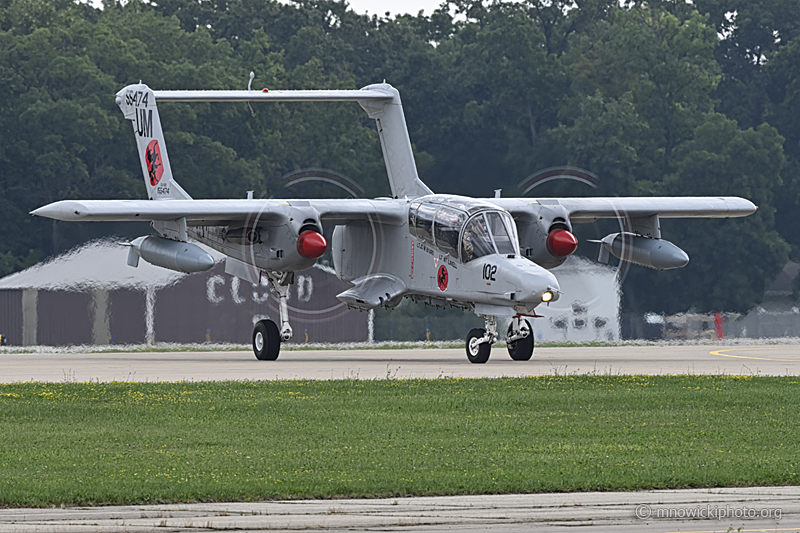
<point>398,363</point>
<point>699,511</point>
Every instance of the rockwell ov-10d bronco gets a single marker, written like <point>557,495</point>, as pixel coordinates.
<point>490,255</point>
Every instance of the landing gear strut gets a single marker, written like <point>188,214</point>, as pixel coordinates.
<point>479,341</point>
<point>266,337</point>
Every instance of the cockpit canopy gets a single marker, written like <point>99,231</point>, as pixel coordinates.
<point>463,227</point>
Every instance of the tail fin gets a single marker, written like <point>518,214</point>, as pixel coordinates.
<point>138,104</point>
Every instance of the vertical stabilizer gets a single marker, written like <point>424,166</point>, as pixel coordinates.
<point>395,143</point>
<point>138,104</point>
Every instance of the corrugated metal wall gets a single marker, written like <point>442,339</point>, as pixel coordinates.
<point>126,317</point>
<point>64,318</point>
<point>11,316</point>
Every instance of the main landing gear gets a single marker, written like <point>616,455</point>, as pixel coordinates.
<point>519,339</point>
<point>266,337</point>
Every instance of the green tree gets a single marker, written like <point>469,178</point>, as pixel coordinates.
<point>631,92</point>
<point>784,72</point>
<point>663,65</point>
<point>732,260</point>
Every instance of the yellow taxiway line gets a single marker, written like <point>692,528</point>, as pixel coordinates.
<point>719,353</point>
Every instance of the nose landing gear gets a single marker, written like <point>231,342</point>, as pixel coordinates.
<point>519,338</point>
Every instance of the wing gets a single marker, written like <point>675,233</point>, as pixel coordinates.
<point>223,212</point>
<point>581,210</point>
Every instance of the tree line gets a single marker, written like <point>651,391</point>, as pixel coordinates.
<point>662,97</point>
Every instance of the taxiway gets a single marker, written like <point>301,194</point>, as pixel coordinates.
<point>398,363</point>
<point>700,511</point>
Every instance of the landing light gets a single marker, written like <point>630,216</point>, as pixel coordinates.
<point>547,296</point>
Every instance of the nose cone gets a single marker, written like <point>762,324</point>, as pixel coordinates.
<point>540,286</point>
<point>669,257</point>
<point>552,287</point>
<point>204,262</point>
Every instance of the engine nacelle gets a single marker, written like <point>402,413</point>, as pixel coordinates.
<point>286,243</point>
<point>245,236</point>
<point>654,253</point>
<point>174,255</point>
<point>547,240</point>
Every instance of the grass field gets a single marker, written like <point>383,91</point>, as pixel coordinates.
<point>97,443</point>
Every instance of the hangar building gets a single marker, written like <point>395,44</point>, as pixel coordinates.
<point>91,296</point>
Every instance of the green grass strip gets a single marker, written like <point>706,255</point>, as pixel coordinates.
<point>103,443</point>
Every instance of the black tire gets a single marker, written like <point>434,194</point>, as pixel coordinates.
<point>521,349</point>
<point>266,341</point>
<point>477,353</point>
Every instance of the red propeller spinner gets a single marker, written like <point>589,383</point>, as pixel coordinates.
<point>561,243</point>
<point>311,244</point>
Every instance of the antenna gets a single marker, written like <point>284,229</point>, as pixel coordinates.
<point>249,84</point>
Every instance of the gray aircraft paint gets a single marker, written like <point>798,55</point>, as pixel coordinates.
<point>373,245</point>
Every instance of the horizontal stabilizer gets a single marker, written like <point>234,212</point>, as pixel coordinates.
<point>273,96</point>
<point>376,290</point>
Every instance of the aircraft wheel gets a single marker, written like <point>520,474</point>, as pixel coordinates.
<point>521,349</point>
<point>266,341</point>
<point>477,352</point>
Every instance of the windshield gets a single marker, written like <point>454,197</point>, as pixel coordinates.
<point>476,241</point>
<point>505,245</point>
<point>445,222</point>
<point>485,234</point>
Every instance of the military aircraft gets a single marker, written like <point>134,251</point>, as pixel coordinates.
<point>488,255</point>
